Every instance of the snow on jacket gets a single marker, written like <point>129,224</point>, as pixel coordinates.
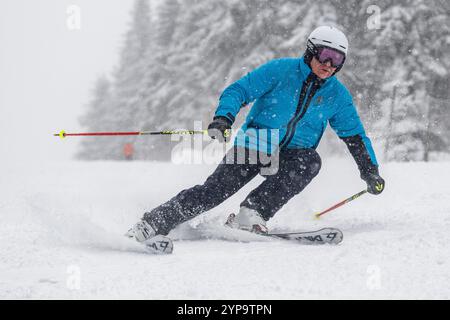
<point>289,98</point>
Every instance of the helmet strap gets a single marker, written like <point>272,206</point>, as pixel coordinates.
<point>310,52</point>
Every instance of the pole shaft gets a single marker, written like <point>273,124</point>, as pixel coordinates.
<point>102,134</point>
<point>63,134</point>
<point>173,132</point>
<point>342,203</point>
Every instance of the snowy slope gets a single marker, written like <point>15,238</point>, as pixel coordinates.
<point>62,224</point>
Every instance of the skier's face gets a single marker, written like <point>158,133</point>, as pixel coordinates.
<point>323,71</point>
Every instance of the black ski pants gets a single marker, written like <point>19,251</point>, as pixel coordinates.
<point>296,169</point>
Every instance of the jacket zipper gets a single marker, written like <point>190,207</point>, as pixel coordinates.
<point>302,107</point>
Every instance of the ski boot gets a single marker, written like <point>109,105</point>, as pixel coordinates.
<point>248,220</point>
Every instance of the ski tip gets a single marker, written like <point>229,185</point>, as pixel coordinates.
<point>159,244</point>
<point>317,216</point>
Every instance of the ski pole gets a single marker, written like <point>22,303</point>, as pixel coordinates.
<point>353,197</point>
<point>63,134</point>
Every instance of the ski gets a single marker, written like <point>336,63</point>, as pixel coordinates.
<point>322,236</point>
<point>158,245</point>
<point>317,237</point>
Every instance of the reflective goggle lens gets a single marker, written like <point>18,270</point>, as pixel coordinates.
<point>325,54</point>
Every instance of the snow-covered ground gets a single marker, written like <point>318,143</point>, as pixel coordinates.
<point>62,225</point>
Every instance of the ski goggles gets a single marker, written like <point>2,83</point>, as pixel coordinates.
<point>325,54</point>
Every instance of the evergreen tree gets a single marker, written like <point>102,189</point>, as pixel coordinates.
<point>97,118</point>
<point>168,13</point>
<point>130,74</point>
<point>126,95</point>
<point>411,51</point>
<point>397,73</point>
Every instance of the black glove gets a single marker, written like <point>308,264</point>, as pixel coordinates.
<point>220,128</point>
<point>375,183</point>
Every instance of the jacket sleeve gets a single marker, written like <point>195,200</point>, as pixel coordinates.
<point>348,126</point>
<point>249,88</point>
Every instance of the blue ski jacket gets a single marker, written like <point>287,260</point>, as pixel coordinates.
<point>295,107</point>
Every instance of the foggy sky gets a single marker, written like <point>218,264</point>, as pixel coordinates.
<point>48,70</point>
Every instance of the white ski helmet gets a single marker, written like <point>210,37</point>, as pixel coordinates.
<point>329,37</point>
<point>326,36</point>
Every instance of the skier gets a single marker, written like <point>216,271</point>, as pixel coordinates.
<point>295,97</point>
